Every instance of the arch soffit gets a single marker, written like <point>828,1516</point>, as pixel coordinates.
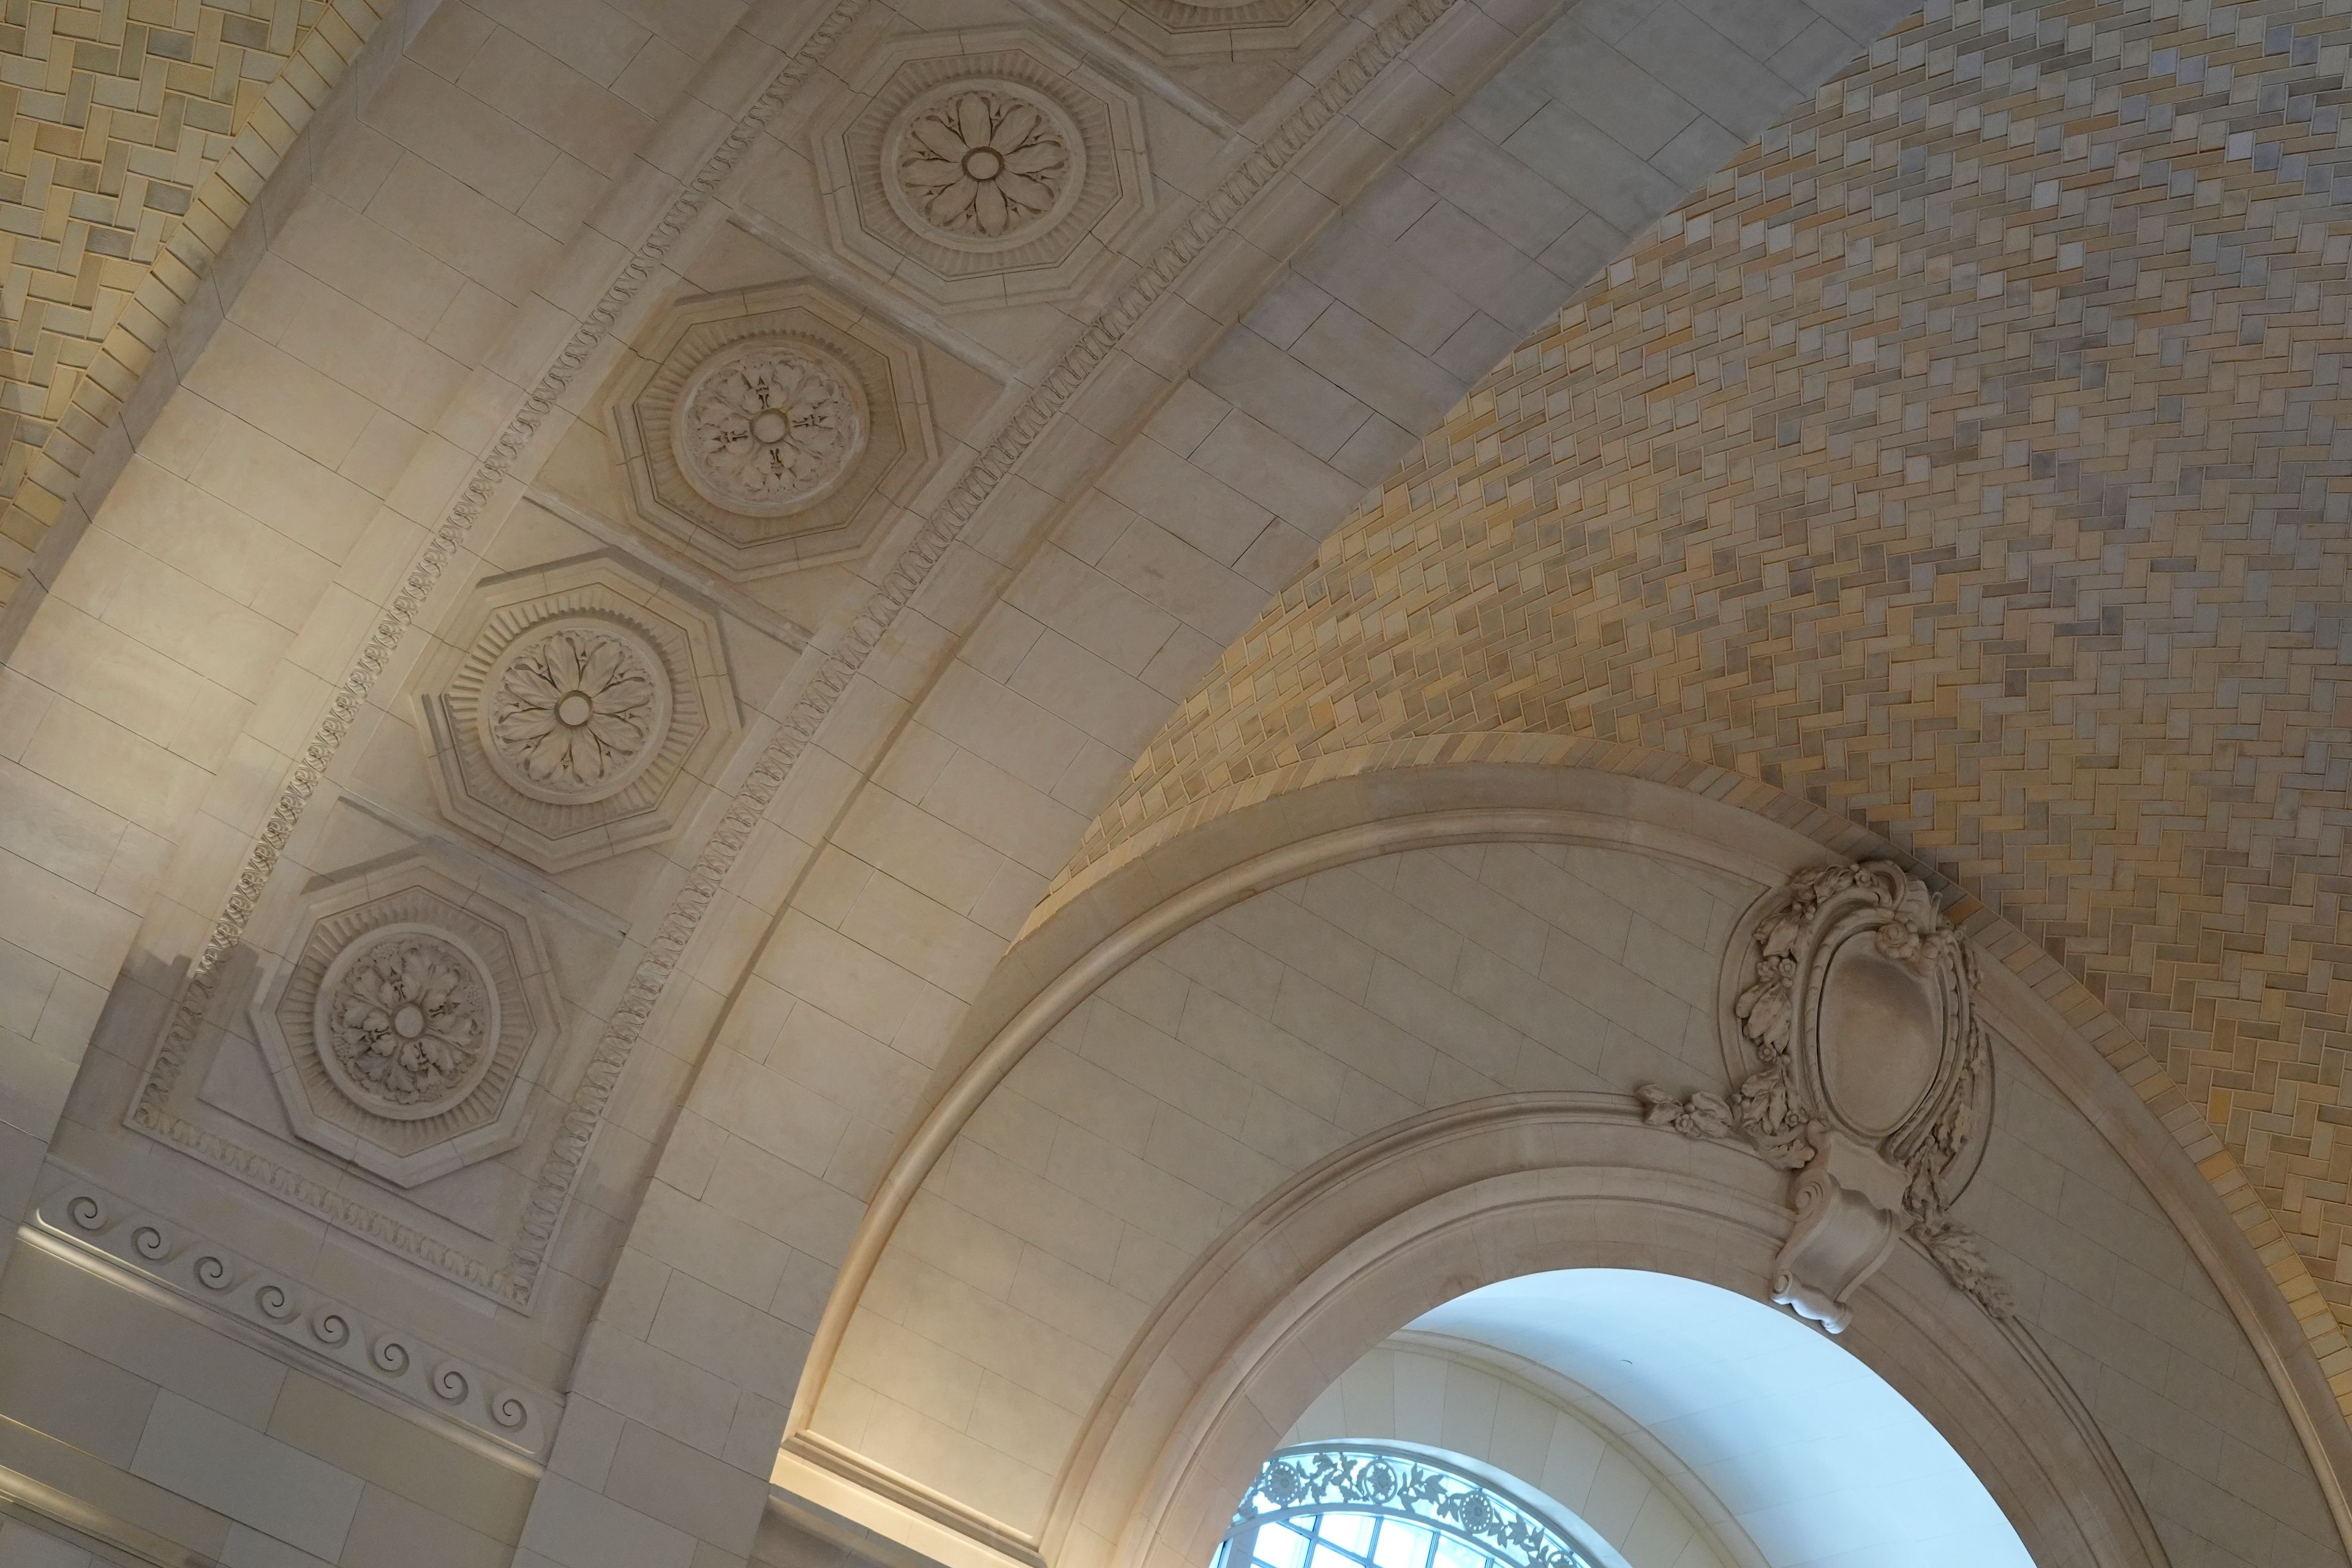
<point>1634,1442</point>
<point>1625,797</point>
<point>1472,1194</point>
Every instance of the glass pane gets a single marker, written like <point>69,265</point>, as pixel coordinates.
<point>1452,1554</point>
<point>1351,1531</point>
<point>1401,1545</point>
<point>1280,1546</point>
<point>1327,1558</point>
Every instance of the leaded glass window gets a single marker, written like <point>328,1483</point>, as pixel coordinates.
<point>1360,1506</point>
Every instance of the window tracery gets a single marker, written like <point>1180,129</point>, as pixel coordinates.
<point>1362,1506</point>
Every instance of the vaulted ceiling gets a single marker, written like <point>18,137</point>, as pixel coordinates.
<point>1965,459</point>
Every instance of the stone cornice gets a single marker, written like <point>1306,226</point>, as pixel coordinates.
<point>491,1412</point>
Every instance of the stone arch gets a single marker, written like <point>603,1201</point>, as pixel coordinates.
<point>1618,796</point>
<point>1486,1193</point>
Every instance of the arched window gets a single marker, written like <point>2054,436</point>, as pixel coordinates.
<point>1358,1505</point>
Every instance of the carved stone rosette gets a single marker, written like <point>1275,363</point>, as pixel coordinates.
<point>985,167</point>
<point>764,430</point>
<point>1859,1067</point>
<point>407,1022</point>
<point>576,712</point>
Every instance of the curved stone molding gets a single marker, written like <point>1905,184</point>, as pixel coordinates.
<point>1859,1065</point>
<point>1188,29</point>
<point>406,1028</point>
<point>1378,1233</point>
<point>771,429</point>
<point>577,711</point>
<point>985,167</point>
<point>212,1282</point>
<point>512,1275</point>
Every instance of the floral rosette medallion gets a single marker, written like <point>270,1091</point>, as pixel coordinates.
<point>407,1017</point>
<point>982,162</point>
<point>574,711</point>
<point>770,427</point>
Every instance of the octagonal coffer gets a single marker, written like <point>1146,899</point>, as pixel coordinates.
<point>575,711</point>
<point>764,429</point>
<point>409,1022</point>
<point>986,167</point>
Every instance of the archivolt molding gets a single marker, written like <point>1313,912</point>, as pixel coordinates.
<point>512,1277</point>
<point>1351,1249</point>
<point>1364,1242</point>
<point>490,1412</point>
<point>1623,796</point>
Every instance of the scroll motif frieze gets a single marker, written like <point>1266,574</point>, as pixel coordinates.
<point>216,1283</point>
<point>1859,1067</point>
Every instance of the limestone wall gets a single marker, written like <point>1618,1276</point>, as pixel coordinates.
<point>1205,1075</point>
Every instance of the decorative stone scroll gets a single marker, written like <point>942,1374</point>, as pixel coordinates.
<point>239,1297</point>
<point>408,1021</point>
<point>981,167</point>
<point>576,712</point>
<point>1860,1067</point>
<point>777,428</point>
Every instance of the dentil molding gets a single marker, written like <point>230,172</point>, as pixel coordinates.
<point>770,428</point>
<point>1858,1064</point>
<point>575,711</point>
<point>488,1410</point>
<point>1189,29</point>
<point>984,167</point>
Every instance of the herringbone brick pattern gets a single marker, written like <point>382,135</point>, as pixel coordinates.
<point>1972,457</point>
<point>124,122</point>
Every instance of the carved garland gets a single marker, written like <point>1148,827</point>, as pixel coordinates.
<point>515,1280</point>
<point>1862,1067</point>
